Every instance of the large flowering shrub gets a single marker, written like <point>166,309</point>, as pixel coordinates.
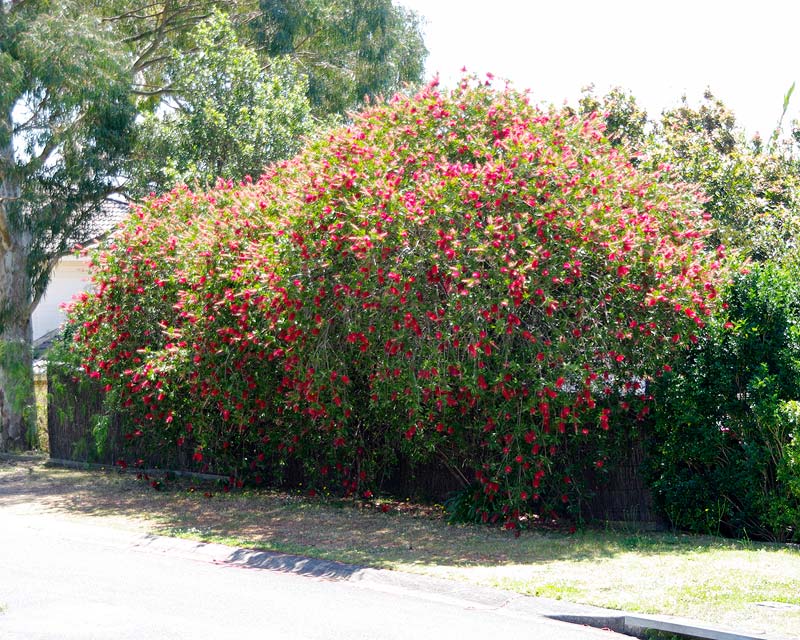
<point>457,275</point>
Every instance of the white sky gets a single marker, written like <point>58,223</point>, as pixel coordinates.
<point>748,53</point>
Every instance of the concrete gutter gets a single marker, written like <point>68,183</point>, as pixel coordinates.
<point>640,625</point>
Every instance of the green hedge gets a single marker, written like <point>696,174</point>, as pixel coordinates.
<point>725,453</point>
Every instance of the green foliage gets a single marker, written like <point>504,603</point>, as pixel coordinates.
<point>753,190</point>
<point>12,360</point>
<point>226,115</point>
<point>789,465</point>
<point>17,387</point>
<point>725,433</point>
<point>471,505</point>
<point>349,49</point>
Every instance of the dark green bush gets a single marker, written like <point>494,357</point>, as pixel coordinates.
<point>724,458</point>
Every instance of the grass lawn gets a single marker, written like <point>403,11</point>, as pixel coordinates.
<point>744,585</point>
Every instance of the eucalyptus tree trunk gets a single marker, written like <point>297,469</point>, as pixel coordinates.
<point>17,400</point>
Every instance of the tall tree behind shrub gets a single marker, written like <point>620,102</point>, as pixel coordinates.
<point>751,186</point>
<point>349,49</point>
<point>66,126</point>
<point>226,114</point>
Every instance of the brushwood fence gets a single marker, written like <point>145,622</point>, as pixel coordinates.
<point>76,433</point>
<point>79,431</point>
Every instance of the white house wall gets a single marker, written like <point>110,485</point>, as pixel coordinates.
<point>71,276</point>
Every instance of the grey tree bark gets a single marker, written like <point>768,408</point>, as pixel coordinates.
<point>17,399</point>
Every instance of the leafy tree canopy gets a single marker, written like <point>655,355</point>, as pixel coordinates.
<point>752,188</point>
<point>348,48</point>
<point>227,116</point>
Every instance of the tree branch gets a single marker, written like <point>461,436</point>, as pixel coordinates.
<point>135,14</point>
<point>144,93</point>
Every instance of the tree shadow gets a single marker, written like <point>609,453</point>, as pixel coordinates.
<point>361,535</point>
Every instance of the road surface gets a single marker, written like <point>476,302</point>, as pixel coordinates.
<point>68,579</point>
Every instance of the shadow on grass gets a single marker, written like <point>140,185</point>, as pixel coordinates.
<point>286,523</point>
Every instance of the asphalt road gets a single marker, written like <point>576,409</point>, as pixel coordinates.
<point>65,579</point>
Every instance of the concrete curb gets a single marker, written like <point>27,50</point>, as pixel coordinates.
<point>638,625</point>
<point>466,595</point>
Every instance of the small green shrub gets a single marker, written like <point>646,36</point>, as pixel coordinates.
<point>471,505</point>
